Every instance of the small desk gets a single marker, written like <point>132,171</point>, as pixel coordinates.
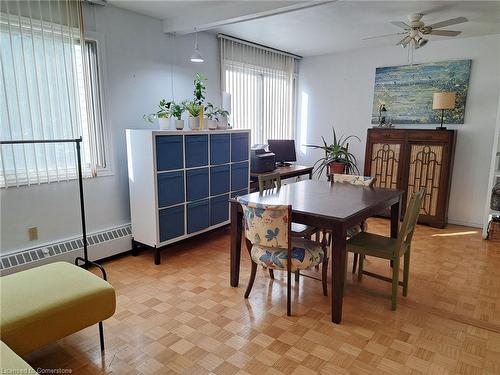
<point>321,204</point>
<point>288,171</point>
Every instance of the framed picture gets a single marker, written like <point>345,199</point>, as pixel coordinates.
<point>407,91</point>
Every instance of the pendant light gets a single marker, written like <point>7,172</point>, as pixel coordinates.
<point>196,56</point>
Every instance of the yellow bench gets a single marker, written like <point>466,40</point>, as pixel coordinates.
<point>47,303</point>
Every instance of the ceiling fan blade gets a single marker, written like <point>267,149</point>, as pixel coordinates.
<point>404,42</point>
<point>445,32</point>
<point>401,24</point>
<point>384,36</point>
<point>453,21</point>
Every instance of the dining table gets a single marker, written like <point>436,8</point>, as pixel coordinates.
<point>330,206</point>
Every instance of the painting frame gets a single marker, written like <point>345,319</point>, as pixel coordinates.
<point>407,90</point>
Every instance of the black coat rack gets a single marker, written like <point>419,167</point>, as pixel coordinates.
<point>79,261</point>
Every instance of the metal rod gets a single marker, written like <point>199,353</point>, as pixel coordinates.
<point>17,142</point>
<point>82,203</point>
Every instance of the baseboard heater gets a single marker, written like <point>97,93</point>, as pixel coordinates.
<point>25,258</point>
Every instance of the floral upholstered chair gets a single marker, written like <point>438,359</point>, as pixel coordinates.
<point>270,244</point>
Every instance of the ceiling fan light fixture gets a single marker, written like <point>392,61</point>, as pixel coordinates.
<point>421,42</point>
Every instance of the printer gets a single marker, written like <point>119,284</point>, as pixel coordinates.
<point>261,160</point>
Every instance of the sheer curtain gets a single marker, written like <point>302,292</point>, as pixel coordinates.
<point>42,89</point>
<point>261,83</point>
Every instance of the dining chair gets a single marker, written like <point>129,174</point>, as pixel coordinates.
<point>358,181</point>
<point>390,248</point>
<point>271,181</point>
<point>269,240</point>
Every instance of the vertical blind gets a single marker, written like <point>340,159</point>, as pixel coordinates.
<point>42,80</point>
<point>261,84</point>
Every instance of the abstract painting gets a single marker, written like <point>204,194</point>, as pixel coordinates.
<point>407,91</point>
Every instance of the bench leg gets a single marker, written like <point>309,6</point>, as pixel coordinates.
<point>101,336</point>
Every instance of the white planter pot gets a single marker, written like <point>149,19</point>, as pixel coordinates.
<point>222,123</point>
<point>211,124</point>
<point>179,124</point>
<point>164,123</point>
<point>194,123</point>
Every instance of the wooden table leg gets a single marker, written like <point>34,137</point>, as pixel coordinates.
<point>339,257</point>
<point>395,218</point>
<point>236,223</point>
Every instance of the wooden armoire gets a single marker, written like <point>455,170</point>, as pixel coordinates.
<point>409,159</point>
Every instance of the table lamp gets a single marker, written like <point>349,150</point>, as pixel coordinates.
<point>442,101</point>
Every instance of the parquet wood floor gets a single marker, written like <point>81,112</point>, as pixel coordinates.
<point>183,317</point>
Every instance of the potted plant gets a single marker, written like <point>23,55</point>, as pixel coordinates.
<point>194,110</point>
<point>162,115</point>
<point>199,93</point>
<point>222,118</point>
<point>211,116</point>
<point>176,110</point>
<point>337,158</point>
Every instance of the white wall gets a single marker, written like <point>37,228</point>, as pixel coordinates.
<point>140,63</point>
<point>339,90</point>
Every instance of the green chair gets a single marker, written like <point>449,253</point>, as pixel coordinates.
<point>390,248</point>
<point>270,243</point>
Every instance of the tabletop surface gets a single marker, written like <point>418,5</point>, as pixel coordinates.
<point>322,198</point>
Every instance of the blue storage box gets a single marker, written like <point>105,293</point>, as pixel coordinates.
<point>239,146</point>
<point>197,184</point>
<point>196,150</point>
<point>169,152</point>
<point>198,216</point>
<point>219,179</point>
<point>219,148</point>
<point>171,222</point>
<point>239,176</point>
<point>170,188</point>
<point>219,209</point>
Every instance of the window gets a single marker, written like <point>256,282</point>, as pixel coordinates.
<point>261,84</point>
<point>51,90</point>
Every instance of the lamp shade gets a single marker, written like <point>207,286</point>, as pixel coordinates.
<point>444,100</point>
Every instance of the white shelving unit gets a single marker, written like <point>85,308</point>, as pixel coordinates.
<point>494,174</point>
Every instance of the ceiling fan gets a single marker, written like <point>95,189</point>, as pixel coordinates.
<point>415,30</point>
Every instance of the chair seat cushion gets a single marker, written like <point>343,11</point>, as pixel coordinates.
<point>372,244</point>
<point>46,303</point>
<point>11,363</point>
<point>305,254</point>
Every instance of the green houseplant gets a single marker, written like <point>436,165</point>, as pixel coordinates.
<point>194,109</point>
<point>162,115</point>
<point>176,110</point>
<point>337,158</point>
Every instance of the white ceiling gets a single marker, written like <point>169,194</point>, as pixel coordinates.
<point>321,29</point>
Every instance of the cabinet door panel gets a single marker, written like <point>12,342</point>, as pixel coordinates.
<point>171,223</point>
<point>425,171</point>
<point>196,184</point>
<point>196,150</point>
<point>170,188</point>
<point>169,152</point>
<point>385,163</point>
<point>219,148</point>
<point>198,216</point>
<point>239,146</point>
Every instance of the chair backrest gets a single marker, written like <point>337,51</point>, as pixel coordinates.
<point>407,229</point>
<point>269,181</point>
<point>267,225</point>
<point>352,179</point>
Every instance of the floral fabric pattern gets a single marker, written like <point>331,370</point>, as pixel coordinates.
<point>265,225</point>
<point>305,254</point>
<point>353,179</point>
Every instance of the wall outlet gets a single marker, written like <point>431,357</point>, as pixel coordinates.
<point>33,233</point>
